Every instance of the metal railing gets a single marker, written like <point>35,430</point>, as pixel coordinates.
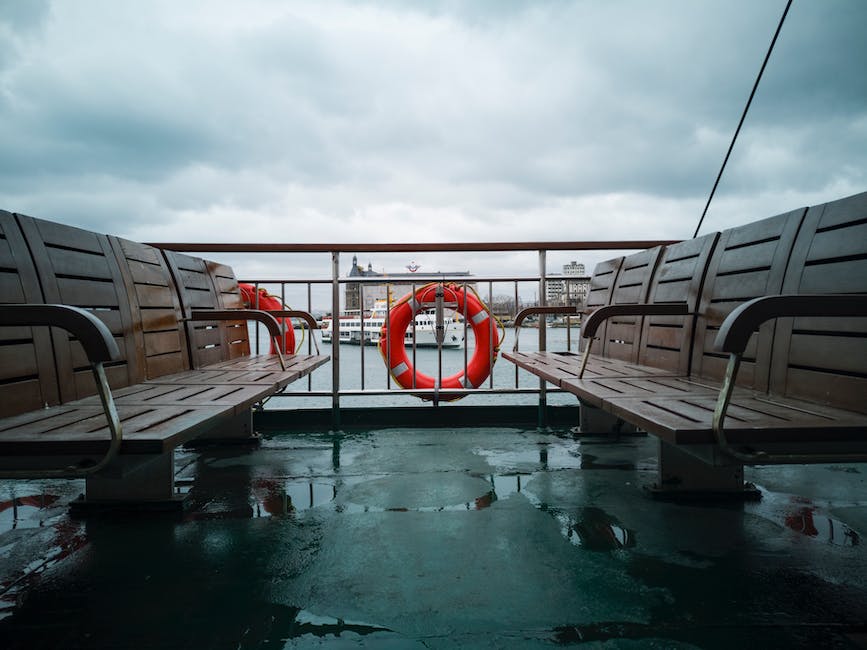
<point>336,282</point>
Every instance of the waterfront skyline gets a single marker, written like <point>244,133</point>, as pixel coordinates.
<point>383,122</point>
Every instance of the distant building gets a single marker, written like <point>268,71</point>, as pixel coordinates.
<point>570,288</point>
<point>398,284</point>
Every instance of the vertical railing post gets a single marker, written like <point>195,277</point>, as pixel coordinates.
<point>543,390</point>
<point>335,339</point>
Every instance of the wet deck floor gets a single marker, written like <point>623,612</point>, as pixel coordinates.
<point>470,538</point>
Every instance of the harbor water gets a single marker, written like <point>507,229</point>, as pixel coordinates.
<point>365,368</point>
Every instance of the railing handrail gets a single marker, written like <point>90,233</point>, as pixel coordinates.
<point>335,281</point>
<point>437,247</point>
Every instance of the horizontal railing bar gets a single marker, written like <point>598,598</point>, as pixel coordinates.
<point>416,391</point>
<point>418,279</point>
<point>198,247</point>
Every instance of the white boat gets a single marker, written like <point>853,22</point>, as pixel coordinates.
<point>423,334</point>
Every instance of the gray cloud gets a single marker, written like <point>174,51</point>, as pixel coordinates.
<point>387,121</point>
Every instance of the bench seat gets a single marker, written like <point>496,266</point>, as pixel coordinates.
<point>107,363</point>
<point>753,421</point>
<point>766,362</point>
<point>561,368</point>
<point>79,430</point>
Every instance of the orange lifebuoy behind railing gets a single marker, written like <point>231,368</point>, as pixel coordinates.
<point>393,347</point>
<point>267,302</point>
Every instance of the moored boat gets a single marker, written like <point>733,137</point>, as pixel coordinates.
<point>356,328</point>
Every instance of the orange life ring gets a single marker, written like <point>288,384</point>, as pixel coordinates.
<point>268,302</point>
<point>393,333</point>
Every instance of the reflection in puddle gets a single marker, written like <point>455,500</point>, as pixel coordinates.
<point>282,498</point>
<point>25,511</point>
<point>807,517</point>
<point>593,529</point>
<point>808,521</point>
<point>502,486</point>
<point>69,537</point>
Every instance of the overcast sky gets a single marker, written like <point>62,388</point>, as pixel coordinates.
<point>429,121</point>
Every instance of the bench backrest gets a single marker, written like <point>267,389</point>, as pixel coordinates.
<point>28,379</point>
<point>666,341</point>
<point>599,293</point>
<point>748,261</point>
<point>78,268</point>
<point>156,311</point>
<point>620,335</point>
<point>206,285</point>
<point>824,360</point>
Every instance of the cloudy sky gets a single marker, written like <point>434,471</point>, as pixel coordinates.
<point>386,121</point>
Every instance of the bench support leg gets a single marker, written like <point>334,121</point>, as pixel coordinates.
<point>237,429</point>
<point>144,483</point>
<point>596,421</point>
<point>682,476</point>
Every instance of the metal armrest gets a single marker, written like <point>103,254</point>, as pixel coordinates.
<point>736,329</point>
<point>734,334</point>
<point>307,317</point>
<point>598,316</point>
<point>94,336</point>
<point>239,314</point>
<point>244,314</point>
<point>99,345</point>
<point>529,311</point>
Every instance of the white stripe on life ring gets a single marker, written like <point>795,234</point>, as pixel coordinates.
<point>480,317</point>
<point>399,369</point>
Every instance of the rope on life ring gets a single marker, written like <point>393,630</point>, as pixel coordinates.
<point>269,302</point>
<point>393,348</point>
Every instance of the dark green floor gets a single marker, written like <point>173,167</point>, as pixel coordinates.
<point>440,538</point>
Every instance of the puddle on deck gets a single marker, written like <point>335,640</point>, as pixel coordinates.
<point>557,546</point>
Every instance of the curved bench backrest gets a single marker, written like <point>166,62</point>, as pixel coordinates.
<point>155,308</point>
<point>599,293</point>
<point>77,267</point>
<point>666,341</point>
<point>28,379</point>
<point>204,285</point>
<point>620,335</point>
<point>749,261</point>
<point>824,359</point>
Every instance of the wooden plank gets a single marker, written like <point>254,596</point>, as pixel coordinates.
<point>596,391</point>
<point>155,297</point>
<point>17,360</point>
<point>7,261</point>
<point>834,244</point>
<point>752,420</point>
<point>160,320</point>
<point>550,366</point>
<point>842,354</point>
<point>835,277</point>
<point>76,429</point>
<point>271,379</point>
<point>11,290</point>
<point>159,343</point>
<point>167,364</point>
<point>146,273</point>
<point>134,251</point>
<point>240,398</point>
<point>53,234</point>
<point>827,387</point>
<point>81,264</point>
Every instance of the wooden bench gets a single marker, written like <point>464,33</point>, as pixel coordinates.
<point>792,391</point>
<point>123,374</point>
